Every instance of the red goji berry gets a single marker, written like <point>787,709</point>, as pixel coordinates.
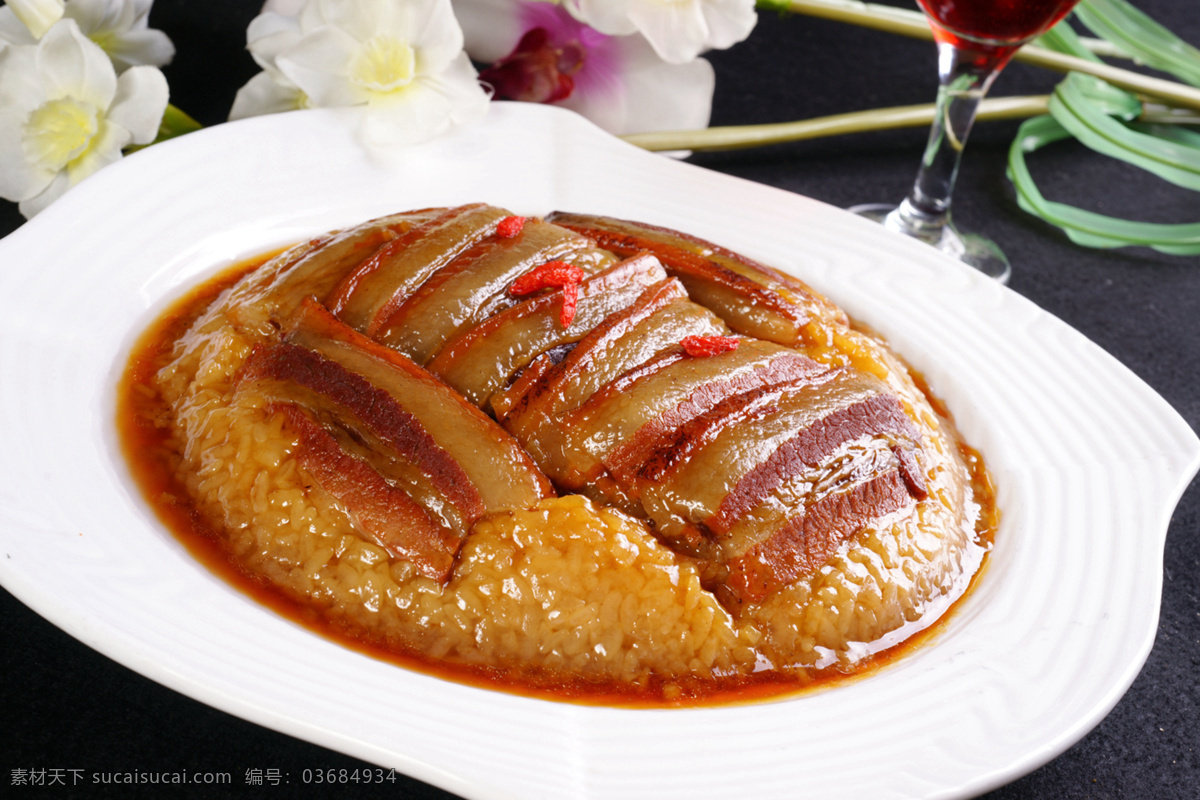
<point>701,346</point>
<point>558,274</point>
<point>552,273</point>
<point>509,227</point>
<point>570,301</point>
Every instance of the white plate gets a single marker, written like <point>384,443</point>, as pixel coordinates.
<point>1089,463</point>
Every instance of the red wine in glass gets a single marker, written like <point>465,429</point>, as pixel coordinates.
<point>975,39</point>
<point>1006,22</point>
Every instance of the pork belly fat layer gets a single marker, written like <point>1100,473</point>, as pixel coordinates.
<point>363,393</point>
<point>721,453</point>
<point>550,396</point>
<point>745,421</point>
<point>369,295</point>
<point>752,298</point>
<point>485,358</point>
<point>658,321</point>
<point>273,295</point>
<point>758,366</point>
<point>450,299</point>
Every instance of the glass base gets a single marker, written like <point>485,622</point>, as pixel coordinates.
<point>971,249</point>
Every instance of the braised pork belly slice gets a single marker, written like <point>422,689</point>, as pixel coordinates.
<point>661,317</point>
<point>392,414</point>
<point>878,416</point>
<point>780,476</point>
<point>752,298</point>
<point>809,538</point>
<point>483,359</point>
<point>626,421</point>
<point>852,476</point>
<point>694,467</point>
<point>473,286</point>
<point>267,302</point>
<point>391,441</point>
<point>494,462</point>
<point>384,512</point>
<point>366,297</point>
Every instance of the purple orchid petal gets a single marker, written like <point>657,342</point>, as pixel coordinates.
<point>556,57</point>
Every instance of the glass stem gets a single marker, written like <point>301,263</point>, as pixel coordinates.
<point>964,77</point>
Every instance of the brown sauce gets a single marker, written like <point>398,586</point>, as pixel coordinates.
<point>142,422</point>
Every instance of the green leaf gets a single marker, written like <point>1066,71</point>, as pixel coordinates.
<point>1102,117</point>
<point>1140,36</point>
<point>1176,133</point>
<point>1062,38</point>
<point>1104,97</point>
<point>1086,108</point>
<point>1087,227</point>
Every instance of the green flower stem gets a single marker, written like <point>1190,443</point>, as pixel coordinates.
<point>918,116</point>
<point>1174,94</point>
<point>894,20</point>
<point>175,123</point>
<point>866,15</point>
<point>909,23</point>
<point>1170,116</point>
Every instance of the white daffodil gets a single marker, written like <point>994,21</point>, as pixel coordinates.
<point>119,27</point>
<point>26,21</point>
<point>679,30</point>
<point>270,91</point>
<point>64,113</point>
<point>538,52</point>
<point>289,8</point>
<point>402,60</point>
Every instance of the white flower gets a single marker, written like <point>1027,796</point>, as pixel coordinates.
<point>119,27</point>
<point>540,53</point>
<point>26,21</point>
<point>290,8</point>
<point>270,91</point>
<point>402,60</point>
<point>679,30</point>
<point>64,114</point>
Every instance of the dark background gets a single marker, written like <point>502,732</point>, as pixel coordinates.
<point>64,706</point>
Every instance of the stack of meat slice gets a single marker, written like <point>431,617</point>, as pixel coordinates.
<point>414,464</point>
<point>675,389</point>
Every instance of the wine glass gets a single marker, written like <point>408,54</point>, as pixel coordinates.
<point>975,39</point>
